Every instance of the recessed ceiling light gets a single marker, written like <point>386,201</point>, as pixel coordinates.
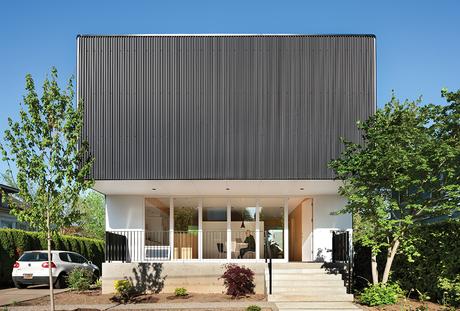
<point>302,188</point>
<point>227,189</point>
<point>154,189</point>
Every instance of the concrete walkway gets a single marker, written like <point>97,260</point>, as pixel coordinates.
<point>11,295</point>
<point>156,306</point>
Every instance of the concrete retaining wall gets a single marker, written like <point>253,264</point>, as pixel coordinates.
<point>195,277</point>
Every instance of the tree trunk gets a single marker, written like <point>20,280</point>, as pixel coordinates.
<point>50,272</point>
<point>375,273</point>
<point>390,256</point>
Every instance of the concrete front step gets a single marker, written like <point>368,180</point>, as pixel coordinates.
<point>309,309</point>
<point>310,290</point>
<point>298,265</point>
<point>310,277</point>
<point>297,270</point>
<point>317,305</point>
<point>307,283</point>
<point>307,297</point>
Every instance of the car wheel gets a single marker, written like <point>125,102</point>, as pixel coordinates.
<point>19,285</point>
<point>61,281</point>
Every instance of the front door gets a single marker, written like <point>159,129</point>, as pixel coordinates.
<point>301,232</point>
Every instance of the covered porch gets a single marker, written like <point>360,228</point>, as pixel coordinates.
<point>230,224</point>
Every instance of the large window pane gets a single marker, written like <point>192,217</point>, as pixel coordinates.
<point>243,225</point>
<point>272,222</point>
<point>156,230</point>
<point>186,228</point>
<point>215,228</point>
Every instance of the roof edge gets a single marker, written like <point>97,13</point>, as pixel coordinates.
<point>226,35</point>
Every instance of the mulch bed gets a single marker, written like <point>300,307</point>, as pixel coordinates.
<point>408,304</point>
<point>93,297</point>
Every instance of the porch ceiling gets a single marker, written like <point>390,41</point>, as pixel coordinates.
<point>158,188</point>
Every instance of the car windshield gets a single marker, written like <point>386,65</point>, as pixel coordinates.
<point>34,256</point>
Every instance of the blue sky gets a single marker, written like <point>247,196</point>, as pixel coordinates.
<point>418,42</point>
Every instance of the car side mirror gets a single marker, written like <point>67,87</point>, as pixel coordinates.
<point>89,262</point>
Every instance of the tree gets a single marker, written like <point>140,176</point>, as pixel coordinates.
<point>404,171</point>
<point>44,146</point>
<point>92,215</point>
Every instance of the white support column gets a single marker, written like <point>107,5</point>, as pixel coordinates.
<point>171,226</point>
<point>229,231</point>
<point>200,230</point>
<point>286,229</point>
<point>258,231</point>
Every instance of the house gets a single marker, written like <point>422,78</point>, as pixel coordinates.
<point>8,220</point>
<point>214,148</point>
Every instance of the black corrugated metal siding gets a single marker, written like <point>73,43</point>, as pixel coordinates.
<point>222,107</point>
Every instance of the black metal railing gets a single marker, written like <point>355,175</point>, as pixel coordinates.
<point>268,260</point>
<point>115,247</point>
<point>342,252</point>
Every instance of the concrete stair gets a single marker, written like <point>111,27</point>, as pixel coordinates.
<point>308,286</point>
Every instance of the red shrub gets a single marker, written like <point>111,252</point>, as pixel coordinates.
<point>239,281</point>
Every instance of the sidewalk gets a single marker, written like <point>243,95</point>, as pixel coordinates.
<point>12,295</point>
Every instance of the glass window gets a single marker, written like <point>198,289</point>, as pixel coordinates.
<point>34,256</point>
<point>156,222</point>
<point>64,257</point>
<point>215,228</point>
<point>77,258</point>
<point>272,224</point>
<point>243,224</point>
<point>186,228</point>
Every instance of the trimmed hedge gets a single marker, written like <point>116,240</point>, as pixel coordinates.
<point>439,248</point>
<point>14,242</point>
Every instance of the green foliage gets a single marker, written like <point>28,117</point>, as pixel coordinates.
<point>451,290</point>
<point>405,170</point>
<point>52,166</point>
<point>253,308</point>
<point>180,291</point>
<point>14,242</point>
<point>91,217</point>
<point>97,284</point>
<point>183,218</point>
<point>437,265</point>
<point>381,294</point>
<point>124,290</point>
<point>80,279</point>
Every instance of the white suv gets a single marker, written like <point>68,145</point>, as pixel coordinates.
<point>32,268</point>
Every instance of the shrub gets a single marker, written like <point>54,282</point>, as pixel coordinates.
<point>180,291</point>
<point>124,290</point>
<point>239,281</point>
<point>97,284</point>
<point>14,242</point>
<point>381,294</point>
<point>253,308</point>
<point>80,279</point>
<point>438,258</point>
<point>451,291</point>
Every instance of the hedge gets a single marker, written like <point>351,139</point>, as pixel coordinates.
<point>14,242</point>
<point>439,248</point>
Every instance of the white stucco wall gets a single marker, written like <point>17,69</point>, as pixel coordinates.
<point>124,212</point>
<point>324,223</point>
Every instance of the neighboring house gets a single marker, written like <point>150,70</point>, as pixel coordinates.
<point>207,146</point>
<point>8,220</point>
